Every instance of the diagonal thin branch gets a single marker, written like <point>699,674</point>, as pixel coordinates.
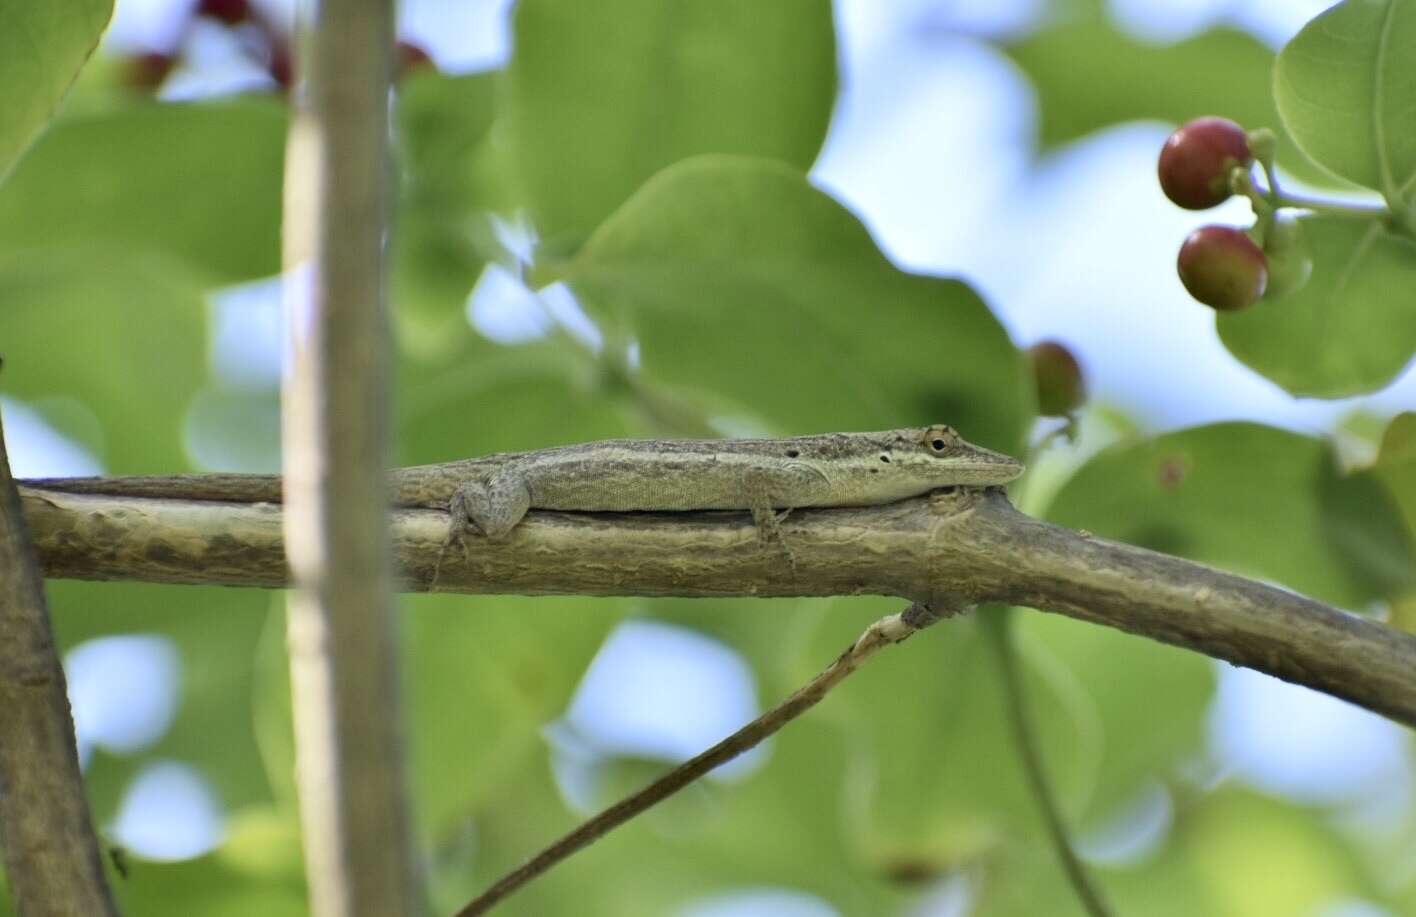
<point>888,630</point>
<point>51,853</point>
<point>967,546</point>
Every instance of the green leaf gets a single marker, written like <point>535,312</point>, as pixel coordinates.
<point>601,95</point>
<point>1396,469</point>
<point>935,752</point>
<point>125,335</point>
<point>1318,865</point>
<point>1296,861</point>
<point>1350,329</point>
<point>482,687</point>
<point>443,238</point>
<point>1396,464</point>
<point>1089,75</point>
<point>42,47</point>
<point>1253,499</point>
<point>1150,702</point>
<point>740,279</point>
<point>1345,90</point>
<point>199,181</point>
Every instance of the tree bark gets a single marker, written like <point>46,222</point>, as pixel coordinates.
<point>959,548</point>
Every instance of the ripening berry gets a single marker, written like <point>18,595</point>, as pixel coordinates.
<point>280,67</point>
<point>408,57</point>
<point>1060,386</point>
<point>147,71</point>
<point>1222,267</point>
<point>1196,161</point>
<point>231,12</point>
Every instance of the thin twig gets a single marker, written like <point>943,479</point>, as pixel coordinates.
<point>882,633</point>
<point>996,625</point>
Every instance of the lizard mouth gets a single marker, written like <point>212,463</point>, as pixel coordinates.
<point>1000,472</point>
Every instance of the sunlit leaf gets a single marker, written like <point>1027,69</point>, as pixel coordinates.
<point>42,47</point>
<point>1345,91</point>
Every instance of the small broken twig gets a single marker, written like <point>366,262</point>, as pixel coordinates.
<point>888,630</point>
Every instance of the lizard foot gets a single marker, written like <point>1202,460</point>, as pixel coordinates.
<point>455,534</point>
<point>769,532</point>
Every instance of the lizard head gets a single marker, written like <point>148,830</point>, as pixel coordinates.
<point>937,456</point>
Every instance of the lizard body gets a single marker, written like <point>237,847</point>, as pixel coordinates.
<point>761,475</point>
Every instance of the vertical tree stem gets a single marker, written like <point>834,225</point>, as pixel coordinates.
<point>341,630</point>
<point>51,854</point>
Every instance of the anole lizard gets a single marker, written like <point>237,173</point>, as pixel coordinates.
<point>492,494</point>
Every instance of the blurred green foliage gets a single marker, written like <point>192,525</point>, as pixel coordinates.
<point>659,152</point>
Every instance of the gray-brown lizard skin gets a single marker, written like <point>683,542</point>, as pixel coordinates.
<point>494,492</point>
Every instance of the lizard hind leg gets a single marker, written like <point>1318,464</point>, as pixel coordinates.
<point>493,507</point>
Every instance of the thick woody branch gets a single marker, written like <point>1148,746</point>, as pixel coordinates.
<point>50,850</point>
<point>962,547</point>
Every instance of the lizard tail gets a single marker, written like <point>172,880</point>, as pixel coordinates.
<point>234,488</point>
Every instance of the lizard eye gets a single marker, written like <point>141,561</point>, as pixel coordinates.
<point>885,459</point>
<point>940,438</point>
<point>792,453</point>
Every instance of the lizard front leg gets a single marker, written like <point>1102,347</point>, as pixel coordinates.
<point>786,487</point>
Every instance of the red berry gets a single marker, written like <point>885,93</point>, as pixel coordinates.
<point>231,12</point>
<point>281,68</point>
<point>1222,267</point>
<point>147,71</point>
<point>1060,386</point>
<point>1196,161</point>
<point>409,57</point>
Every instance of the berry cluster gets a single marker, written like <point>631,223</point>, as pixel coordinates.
<point>261,38</point>
<point>1221,266</point>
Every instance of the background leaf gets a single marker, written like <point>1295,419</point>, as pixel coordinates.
<point>444,237</point>
<point>123,335</point>
<point>197,181</point>
<point>42,47</point>
<point>737,277</point>
<point>1088,75</point>
<point>1345,90</point>
<point>215,633</point>
<point>1350,329</point>
<point>601,95</point>
<point>1259,501</point>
